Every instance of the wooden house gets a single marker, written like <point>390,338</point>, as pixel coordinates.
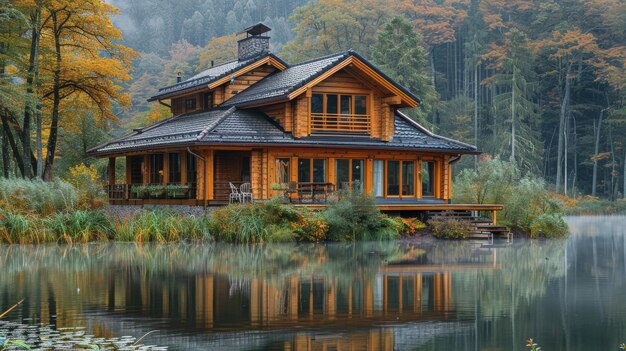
<point>300,131</point>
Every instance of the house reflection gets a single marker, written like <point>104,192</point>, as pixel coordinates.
<point>341,308</point>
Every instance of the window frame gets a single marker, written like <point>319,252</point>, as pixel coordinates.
<point>350,172</point>
<point>193,105</point>
<point>311,169</point>
<point>433,178</point>
<point>400,178</point>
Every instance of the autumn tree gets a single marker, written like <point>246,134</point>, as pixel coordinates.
<point>329,26</point>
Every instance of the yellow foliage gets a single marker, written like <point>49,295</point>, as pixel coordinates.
<point>81,173</point>
<point>567,201</point>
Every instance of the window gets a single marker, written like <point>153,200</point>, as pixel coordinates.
<point>207,101</point>
<point>156,168</point>
<point>396,177</point>
<point>311,170</point>
<point>378,179</point>
<point>190,105</point>
<point>408,178</point>
<point>174,168</point>
<point>192,167</point>
<point>283,174</point>
<point>428,178</point>
<point>339,113</point>
<point>136,174</point>
<point>393,178</point>
<point>349,174</point>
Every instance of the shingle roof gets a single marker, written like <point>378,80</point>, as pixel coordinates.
<point>207,76</point>
<point>279,85</point>
<point>236,126</point>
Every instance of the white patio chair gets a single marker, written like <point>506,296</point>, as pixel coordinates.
<point>235,195</point>
<point>246,192</point>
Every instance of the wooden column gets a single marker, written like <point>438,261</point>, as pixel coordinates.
<point>256,176</point>
<point>369,176</point>
<point>111,171</point>
<point>145,169</point>
<point>166,168</point>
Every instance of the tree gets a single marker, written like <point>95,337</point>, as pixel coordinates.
<point>399,52</point>
<point>328,26</point>
<point>515,105</point>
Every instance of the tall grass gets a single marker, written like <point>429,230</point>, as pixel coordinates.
<point>37,196</point>
<point>161,226</point>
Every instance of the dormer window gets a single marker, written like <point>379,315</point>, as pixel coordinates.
<point>339,113</point>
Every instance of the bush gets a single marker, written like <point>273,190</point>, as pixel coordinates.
<point>498,182</point>
<point>89,186</point>
<point>355,216</point>
<point>248,223</point>
<point>450,228</point>
<point>408,226</point>
<point>548,226</point>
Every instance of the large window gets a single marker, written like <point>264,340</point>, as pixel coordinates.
<point>394,178</point>
<point>136,173</point>
<point>428,178</point>
<point>339,113</point>
<point>311,170</point>
<point>349,174</point>
<point>156,168</point>
<point>283,174</point>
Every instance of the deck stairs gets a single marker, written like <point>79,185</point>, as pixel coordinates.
<point>481,227</point>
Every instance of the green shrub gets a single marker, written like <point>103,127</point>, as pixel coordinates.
<point>594,206</point>
<point>450,228</point>
<point>355,216</point>
<point>548,226</point>
<point>249,223</point>
<point>16,228</point>
<point>499,182</point>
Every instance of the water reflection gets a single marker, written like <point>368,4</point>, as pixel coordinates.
<point>425,295</point>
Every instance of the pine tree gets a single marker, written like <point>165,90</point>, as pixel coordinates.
<point>399,52</point>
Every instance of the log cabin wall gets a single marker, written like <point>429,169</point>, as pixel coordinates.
<point>245,80</point>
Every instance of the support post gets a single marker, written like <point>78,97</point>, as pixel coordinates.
<point>111,171</point>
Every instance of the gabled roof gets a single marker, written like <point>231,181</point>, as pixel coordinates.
<point>232,126</point>
<point>279,86</point>
<point>208,76</point>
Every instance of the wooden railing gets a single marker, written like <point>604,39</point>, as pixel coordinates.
<point>338,122</point>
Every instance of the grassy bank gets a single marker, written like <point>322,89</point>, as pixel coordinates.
<point>37,212</point>
<point>529,208</point>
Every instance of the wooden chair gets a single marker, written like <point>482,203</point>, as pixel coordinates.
<point>235,195</point>
<point>246,192</point>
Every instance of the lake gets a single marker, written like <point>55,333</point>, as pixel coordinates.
<point>406,295</point>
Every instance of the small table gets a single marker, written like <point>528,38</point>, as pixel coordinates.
<point>312,190</point>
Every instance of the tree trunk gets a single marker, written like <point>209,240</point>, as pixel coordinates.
<point>30,107</point>
<point>563,115</point>
<point>5,156</point>
<point>475,111</point>
<point>9,136</point>
<point>52,138</point>
<point>596,150</point>
<point>513,91</point>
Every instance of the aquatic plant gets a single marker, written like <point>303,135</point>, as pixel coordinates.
<point>530,343</point>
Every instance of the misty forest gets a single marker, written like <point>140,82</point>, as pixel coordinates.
<point>537,82</point>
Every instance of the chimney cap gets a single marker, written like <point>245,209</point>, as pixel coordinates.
<point>256,29</point>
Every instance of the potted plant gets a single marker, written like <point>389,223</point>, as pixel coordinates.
<point>176,190</point>
<point>140,191</point>
<point>156,190</point>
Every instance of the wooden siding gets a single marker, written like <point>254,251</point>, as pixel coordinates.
<point>245,80</point>
<point>281,113</point>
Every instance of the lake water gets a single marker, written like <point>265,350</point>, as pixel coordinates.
<point>410,295</point>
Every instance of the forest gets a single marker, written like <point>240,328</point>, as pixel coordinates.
<point>537,82</point>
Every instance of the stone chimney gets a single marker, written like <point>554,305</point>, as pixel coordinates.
<point>255,43</point>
